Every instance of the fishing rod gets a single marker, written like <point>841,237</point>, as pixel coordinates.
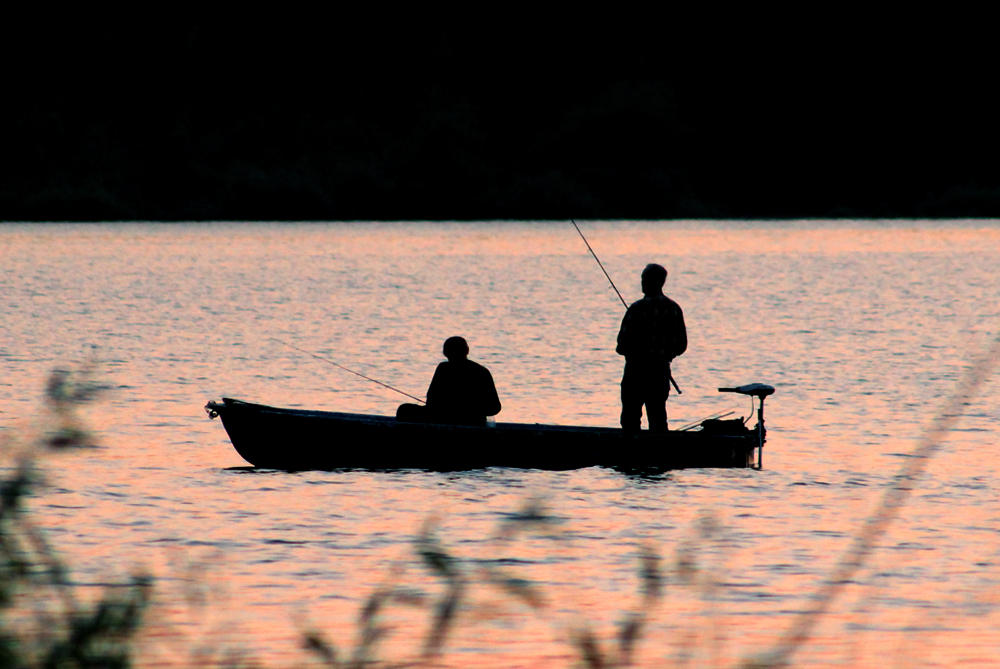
<point>717,414</point>
<point>624,303</point>
<point>384,385</point>
<point>601,265</point>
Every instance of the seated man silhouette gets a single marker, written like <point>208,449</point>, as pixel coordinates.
<point>461,393</point>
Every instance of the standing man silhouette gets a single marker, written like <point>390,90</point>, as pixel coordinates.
<point>651,336</point>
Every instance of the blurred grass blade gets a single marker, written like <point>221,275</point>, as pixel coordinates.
<point>444,616</point>
<point>590,649</point>
<point>896,494</point>
<point>649,570</point>
<point>314,642</point>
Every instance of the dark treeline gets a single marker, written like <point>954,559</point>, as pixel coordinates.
<point>350,117</point>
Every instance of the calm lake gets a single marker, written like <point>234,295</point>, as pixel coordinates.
<point>864,328</point>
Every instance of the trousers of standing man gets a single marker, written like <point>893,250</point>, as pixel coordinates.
<point>648,385</point>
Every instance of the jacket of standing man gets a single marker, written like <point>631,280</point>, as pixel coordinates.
<point>651,336</point>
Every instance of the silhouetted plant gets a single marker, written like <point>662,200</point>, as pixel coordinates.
<point>43,624</point>
<point>65,391</point>
<point>460,576</point>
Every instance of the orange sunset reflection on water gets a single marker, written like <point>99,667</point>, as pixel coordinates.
<point>864,328</point>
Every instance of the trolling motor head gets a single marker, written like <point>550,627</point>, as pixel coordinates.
<point>758,390</point>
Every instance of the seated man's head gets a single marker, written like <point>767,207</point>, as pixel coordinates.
<point>456,348</point>
<point>653,278</point>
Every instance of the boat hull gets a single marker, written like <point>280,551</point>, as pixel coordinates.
<point>296,440</point>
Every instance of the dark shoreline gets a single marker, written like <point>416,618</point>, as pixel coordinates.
<point>282,118</point>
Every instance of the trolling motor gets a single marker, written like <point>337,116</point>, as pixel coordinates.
<point>760,391</point>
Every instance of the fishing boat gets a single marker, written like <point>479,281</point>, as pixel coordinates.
<point>298,439</point>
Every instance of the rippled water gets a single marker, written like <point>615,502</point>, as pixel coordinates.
<point>864,329</point>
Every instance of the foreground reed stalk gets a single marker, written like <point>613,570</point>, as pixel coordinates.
<point>893,500</point>
<point>43,622</point>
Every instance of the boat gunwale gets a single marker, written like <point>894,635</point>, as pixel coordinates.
<point>238,405</point>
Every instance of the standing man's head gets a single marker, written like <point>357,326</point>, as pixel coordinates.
<point>653,278</point>
<point>456,349</point>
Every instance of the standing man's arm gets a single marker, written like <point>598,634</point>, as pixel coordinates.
<point>624,334</point>
<point>680,336</point>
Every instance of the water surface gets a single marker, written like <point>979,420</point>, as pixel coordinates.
<point>863,328</point>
